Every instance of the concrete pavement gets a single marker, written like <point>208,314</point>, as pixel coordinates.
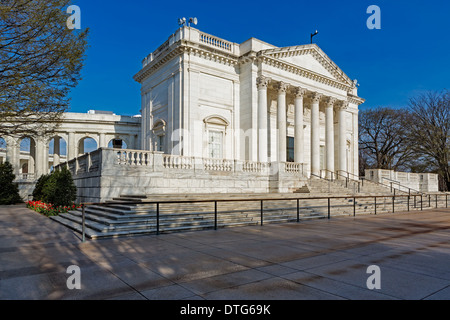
<point>320,259</point>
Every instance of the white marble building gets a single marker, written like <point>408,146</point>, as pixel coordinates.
<point>207,97</point>
<point>216,116</point>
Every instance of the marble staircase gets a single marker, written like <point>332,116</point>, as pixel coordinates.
<point>135,215</point>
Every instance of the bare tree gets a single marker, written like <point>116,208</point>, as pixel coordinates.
<point>40,61</point>
<point>430,132</point>
<point>383,138</point>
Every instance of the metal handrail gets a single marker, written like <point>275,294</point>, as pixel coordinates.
<point>261,200</point>
<point>350,174</point>
<point>347,179</point>
<point>399,185</point>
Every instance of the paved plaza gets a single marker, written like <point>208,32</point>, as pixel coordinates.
<point>319,259</point>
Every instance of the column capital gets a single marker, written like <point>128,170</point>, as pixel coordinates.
<point>262,82</point>
<point>282,87</point>
<point>315,97</point>
<point>330,101</point>
<point>342,104</point>
<point>300,92</point>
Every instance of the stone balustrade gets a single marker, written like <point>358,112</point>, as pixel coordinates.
<point>107,173</point>
<point>423,182</point>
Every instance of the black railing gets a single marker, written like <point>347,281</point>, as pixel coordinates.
<point>262,200</point>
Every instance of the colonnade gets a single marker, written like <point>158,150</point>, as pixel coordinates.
<point>314,99</point>
<point>38,158</point>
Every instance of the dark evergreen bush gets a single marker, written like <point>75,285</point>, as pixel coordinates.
<point>37,192</point>
<point>9,191</point>
<point>59,189</point>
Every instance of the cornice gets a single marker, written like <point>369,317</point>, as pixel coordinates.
<point>181,47</point>
<point>317,54</point>
<point>355,99</point>
<point>309,74</point>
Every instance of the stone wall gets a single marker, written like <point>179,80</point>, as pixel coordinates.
<point>423,182</point>
<point>107,173</point>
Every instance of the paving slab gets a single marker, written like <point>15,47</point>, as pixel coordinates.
<point>313,260</point>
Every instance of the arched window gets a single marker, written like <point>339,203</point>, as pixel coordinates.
<point>2,150</point>
<point>215,127</point>
<point>86,145</point>
<point>117,143</point>
<point>159,133</point>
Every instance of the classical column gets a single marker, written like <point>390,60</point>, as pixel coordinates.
<point>13,153</point>
<point>298,126</point>
<point>281,121</point>
<point>262,83</point>
<point>71,146</point>
<point>41,166</point>
<point>329,137</point>
<point>102,143</point>
<point>342,136</point>
<point>56,151</point>
<point>315,134</point>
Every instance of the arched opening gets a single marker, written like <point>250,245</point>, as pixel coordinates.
<point>215,127</point>
<point>2,150</point>
<point>159,133</point>
<point>57,151</point>
<point>27,158</point>
<point>117,143</point>
<point>86,145</point>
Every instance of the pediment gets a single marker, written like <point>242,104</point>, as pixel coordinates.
<point>309,57</point>
<point>307,61</point>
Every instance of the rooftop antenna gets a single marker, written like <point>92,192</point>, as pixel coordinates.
<point>181,21</point>
<point>193,20</point>
<point>313,34</point>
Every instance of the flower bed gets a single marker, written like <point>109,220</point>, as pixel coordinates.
<point>47,209</point>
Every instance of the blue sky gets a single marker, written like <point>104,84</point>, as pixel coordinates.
<point>408,55</point>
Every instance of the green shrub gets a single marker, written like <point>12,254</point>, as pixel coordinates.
<point>37,192</point>
<point>59,189</point>
<point>9,191</point>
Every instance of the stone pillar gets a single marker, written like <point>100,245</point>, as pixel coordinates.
<point>342,137</point>
<point>102,143</point>
<point>262,83</point>
<point>40,157</point>
<point>13,153</point>
<point>56,151</point>
<point>298,129</point>
<point>281,121</point>
<point>71,146</point>
<point>329,137</point>
<point>315,134</point>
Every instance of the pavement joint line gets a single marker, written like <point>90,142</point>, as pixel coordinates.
<point>435,292</point>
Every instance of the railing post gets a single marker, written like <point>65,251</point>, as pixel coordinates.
<point>393,204</point>
<point>429,200</point>
<point>408,203</point>
<point>298,210</point>
<point>421,202</point>
<point>215,214</point>
<point>436,200</point>
<point>375,205</point>
<point>262,212</point>
<point>446,200</point>
<point>354,206</point>
<point>328,208</point>
<point>157,218</point>
<point>83,223</point>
